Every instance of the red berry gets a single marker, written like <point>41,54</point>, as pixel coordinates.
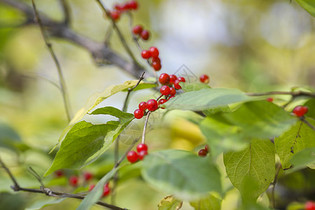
<point>156,59</point>
<point>165,90</point>
<point>204,78</point>
<point>88,176</point>
<point>106,190</point>
<point>270,99</point>
<point>202,153</point>
<point>115,15</point>
<point>152,105</point>
<point>172,91</point>
<point>133,5</point>
<point>181,79</point>
<point>300,111</point>
<point>145,35</point>
<point>157,66</point>
<point>118,7</point>
<point>145,54</point>
<point>207,147</point>
<point>176,84</point>
<point>73,181</point>
<point>162,101</point>
<point>91,187</point>
<point>138,113</point>
<point>132,156</point>
<point>309,205</point>
<point>172,78</point>
<point>142,154</point>
<point>154,52</point>
<point>164,79</point>
<point>143,106</point>
<point>142,147</point>
<point>137,29</point>
<point>59,173</point>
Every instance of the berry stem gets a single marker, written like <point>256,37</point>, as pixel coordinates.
<point>145,127</point>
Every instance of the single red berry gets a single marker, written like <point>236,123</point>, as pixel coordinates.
<point>157,66</point>
<point>269,99</point>
<point>145,35</point>
<point>181,79</point>
<point>73,181</point>
<point>115,15</point>
<point>164,79</point>
<point>154,52</point>
<point>137,29</point>
<point>106,190</point>
<point>172,91</point>
<point>142,154</point>
<point>59,173</point>
<point>152,105</point>
<point>310,205</point>
<point>207,147</point>
<point>162,101</point>
<point>165,90</point>
<point>91,187</point>
<point>133,5</point>
<point>142,147</point>
<point>132,156</point>
<point>176,84</point>
<point>202,153</point>
<point>88,176</point>
<point>138,113</point>
<point>143,106</point>
<point>172,78</point>
<point>204,78</point>
<point>300,111</point>
<point>145,54</point>
<point>156,59</point>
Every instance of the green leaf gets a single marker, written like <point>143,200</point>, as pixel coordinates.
<point>97,191</point>
<point>181,173</point>
<point>212,202</point>
<point>308,5</point>
<point>170,203</point>
<point>251,170</point>
<point>299,137</point>
<point>311,110</point>
<point>261,119</point>
<point>207,98</point>
<point>43,203</point>
<point>86,141</point>
<point>302,159</point>
<point>188,87</point>
<point>8,137</point>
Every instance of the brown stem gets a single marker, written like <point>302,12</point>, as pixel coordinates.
<point>16,187</point>
<point>66,11</point>
<point>293,94</point>
<point>307,123</point>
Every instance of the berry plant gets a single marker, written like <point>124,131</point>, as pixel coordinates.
<point>248,143</point>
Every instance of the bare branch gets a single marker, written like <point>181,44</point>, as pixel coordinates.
<point>66,11</point>
<point>293,94</point>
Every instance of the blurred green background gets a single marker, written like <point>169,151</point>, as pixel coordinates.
<point>256,46</point>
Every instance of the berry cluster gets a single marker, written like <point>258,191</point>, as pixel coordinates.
<point>204,152</point>
<point>139,32</point>
<point>152,53</point>
<point>106,189</point>
<point>142,151</point>
<point>300,111</point>
<point>74,180</point>
<point>120,8</point>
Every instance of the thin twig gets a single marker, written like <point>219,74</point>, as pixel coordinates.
<point>273,201</point>
<point>145,127</point>
<point>293,94</point>
<point>307,123</point>
<point>60,74</point>
<point>66,11</point>
<point>121,37</point>
<point>16,187</point>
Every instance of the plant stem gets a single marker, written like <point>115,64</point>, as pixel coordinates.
<point>145,127</point>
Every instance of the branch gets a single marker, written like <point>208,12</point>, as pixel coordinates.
<point>53,55</point>
<point>293,94</point>
<point>307,123</point>
<point>99,51</point>
<point>273,200</point>
<point>66,11</point>
<point>16,187</point>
